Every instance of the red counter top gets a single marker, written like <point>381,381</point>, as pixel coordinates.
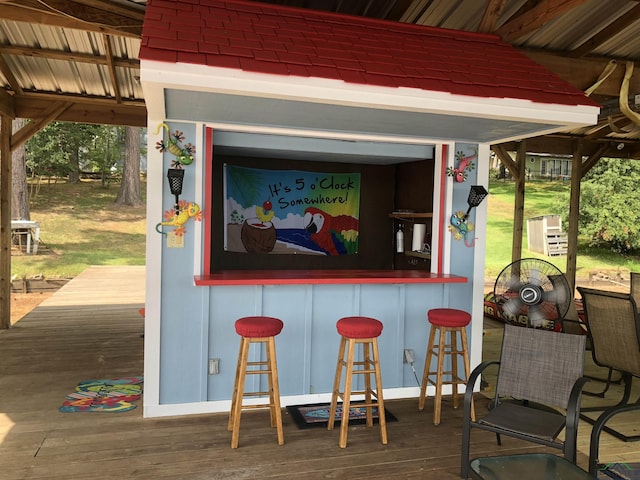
<point>303,277</point>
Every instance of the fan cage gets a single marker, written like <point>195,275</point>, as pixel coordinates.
<point>533,293</point>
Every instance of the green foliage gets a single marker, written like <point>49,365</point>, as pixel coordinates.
<point>609,215</point>
<point>61,148</point>
<point>543,198</point>
<point>107,150</point>
<point>46,152</point>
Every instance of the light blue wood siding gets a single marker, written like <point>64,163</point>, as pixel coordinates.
<point>197,323</point>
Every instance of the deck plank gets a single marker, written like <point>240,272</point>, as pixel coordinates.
<point>91,328</point>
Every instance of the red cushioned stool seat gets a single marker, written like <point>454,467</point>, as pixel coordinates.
<point>355,331</point>
<point>445,322</point>
<point>258,326</point>
<point>448,317</point>
<point>256,330</point>
<point>359,327</point>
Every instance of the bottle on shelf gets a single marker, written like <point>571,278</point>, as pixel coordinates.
<point>400,239</point>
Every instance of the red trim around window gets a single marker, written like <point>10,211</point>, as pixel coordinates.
<point>441,213</point>
<point>208,196</point>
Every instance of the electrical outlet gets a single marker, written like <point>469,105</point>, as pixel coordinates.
<point>214,366</point>
<point>409,357</point>
<point>175,241</point>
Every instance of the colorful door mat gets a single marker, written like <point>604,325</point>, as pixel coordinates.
<point>104,395</point>
<point>317,415</point>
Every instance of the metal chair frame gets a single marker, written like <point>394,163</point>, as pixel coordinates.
<point>614,329</point>
<point>540,381</point>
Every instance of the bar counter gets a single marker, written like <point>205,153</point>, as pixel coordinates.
<point>323,277</point>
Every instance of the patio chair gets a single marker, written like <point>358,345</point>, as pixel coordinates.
<point>538,391</point>
<point>571,323</point>
<point>635,286</point>
<point>614,329</point>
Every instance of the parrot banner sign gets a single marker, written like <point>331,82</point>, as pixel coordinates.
<point>290,211</point>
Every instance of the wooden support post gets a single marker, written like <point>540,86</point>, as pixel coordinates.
<point>574,209</point>
<point>5,221</point>
<point>518,208</point>
<point>9,142</point>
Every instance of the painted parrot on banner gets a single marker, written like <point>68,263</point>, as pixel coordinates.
<point>335,235</point>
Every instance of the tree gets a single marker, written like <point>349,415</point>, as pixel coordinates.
<point>45,158</point>
<point>106,151</point>
<point>19,189</point>
<point>129,193</point>
<point>68,148</point>
<point>609,205</point>
<point>61,148</point>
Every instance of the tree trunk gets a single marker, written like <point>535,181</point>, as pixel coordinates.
<point>129,193</point>
<point>19,188</point>
<point>74,166</point>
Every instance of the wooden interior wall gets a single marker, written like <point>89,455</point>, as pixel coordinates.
<point>414,186</point>
<point>414,192</point>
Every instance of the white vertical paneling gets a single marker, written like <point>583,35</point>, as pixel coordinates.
<point>153,291</point>
<point>484,153</point>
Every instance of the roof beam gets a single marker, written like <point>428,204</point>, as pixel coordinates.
<point>75,98</point>
<point>491,15</point>
<point>83,110</point>
<point>605,34</point>
<point>414,11</point>
<point>52,54</point>
<point>7,104</point>
<point>584,72</point>
<point>128,11</point>
<point>502,153</point>
<point>563,144</point>
<point>8,73</point>
<point>30,129</point>
<point>112,69</point>
<point>590,162</point>
<point>534,18</point>
<point>100,17</point>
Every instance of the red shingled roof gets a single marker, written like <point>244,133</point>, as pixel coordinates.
<point>271,39</point>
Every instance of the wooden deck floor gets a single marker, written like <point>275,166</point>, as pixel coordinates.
<point>91,328</point>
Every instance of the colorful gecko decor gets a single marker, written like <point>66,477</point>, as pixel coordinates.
<point>184,154</point>
<point>461,228</point>
<point>465,165</point>
<point>177,219</point>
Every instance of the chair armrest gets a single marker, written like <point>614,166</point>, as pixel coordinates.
<point>471,381</point>
<point>573,408</point>
<point>573,419</point>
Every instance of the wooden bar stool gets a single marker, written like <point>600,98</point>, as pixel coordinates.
<point>364,331</point>
<point>453,322</point>
<point>256,330</point>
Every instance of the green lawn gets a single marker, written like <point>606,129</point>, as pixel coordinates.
<point>81,226</point>
<point>540,199</point>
